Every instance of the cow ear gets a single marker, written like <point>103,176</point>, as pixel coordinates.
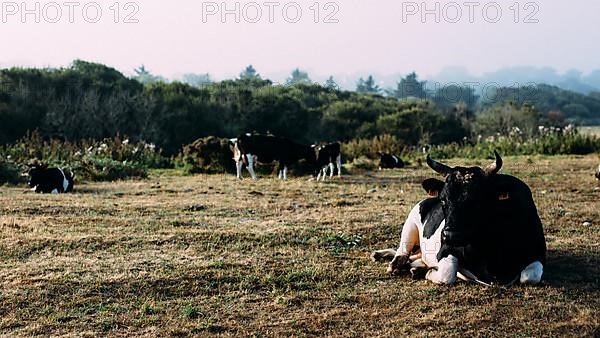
<point>433,186</point>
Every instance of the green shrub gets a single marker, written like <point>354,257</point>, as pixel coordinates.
<point>548,141</point>
<point>106,169</point>
<point>210,155</point>
<point>369,147</point>
<point>105,160</point>
<point>9,172</point>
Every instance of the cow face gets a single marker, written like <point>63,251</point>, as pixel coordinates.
<point>464,198</point>
<point>35,174</point>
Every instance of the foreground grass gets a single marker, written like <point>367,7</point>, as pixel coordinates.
<point>208,255</point>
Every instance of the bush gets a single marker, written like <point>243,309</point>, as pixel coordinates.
<point>106,160</point>
<point>9,172</point>
<point>549,141</point>
<point>369,147</point>
<point>106,169</point>
<point>209,155</point>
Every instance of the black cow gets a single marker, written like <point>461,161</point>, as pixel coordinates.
<point>251,148</point>
<point>50,180</point>
<point>328,157</point>
<point>389,161</point>
<point>492,226</point>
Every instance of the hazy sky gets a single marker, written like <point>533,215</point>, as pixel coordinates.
<point>175,37</point>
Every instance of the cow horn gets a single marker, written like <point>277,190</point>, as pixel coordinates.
<point>495,167</point>
<point>438,167</point>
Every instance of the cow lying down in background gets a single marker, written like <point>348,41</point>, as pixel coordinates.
<point>478,225</point>
<point>50,180</point>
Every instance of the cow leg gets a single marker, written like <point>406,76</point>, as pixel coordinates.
<point>532,274</point>
<point>320,173</point>
<point>323,173</point>
<point>383,255</point>
<point>251,166</point>
<point>446,272</point>
<point>285,173</point>
<point>332,168</point>
<point>239,165</point>
<point>55,192</point>
<point>339,165</point>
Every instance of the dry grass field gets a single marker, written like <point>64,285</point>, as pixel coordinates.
<point>211,256</point>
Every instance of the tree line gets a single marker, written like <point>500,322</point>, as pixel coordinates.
<point>94,101</point>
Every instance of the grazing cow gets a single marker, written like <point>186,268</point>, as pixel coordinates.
<point>492,227</point>
<point>598,172</point>
<point>389,161</point>
<point>50,180</point>
<point>251,148</point>
<point>328,157</point>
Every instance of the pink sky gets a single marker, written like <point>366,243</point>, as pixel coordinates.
<point>171,38</point>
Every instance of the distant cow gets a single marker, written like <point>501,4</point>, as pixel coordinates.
<point>598,172</point>
<point>251,148</point>
<point>50,180</point>
<point>389,161</point>
<point>328,157</point>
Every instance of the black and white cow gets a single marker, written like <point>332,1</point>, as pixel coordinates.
<point>251,148</point>
<point>598,172</point>
<point>491,231</point>
<point>389,161</point>
<point>50,180</point>
<point>492,224</point>
<point>421,240</point>
<point>328,158</point>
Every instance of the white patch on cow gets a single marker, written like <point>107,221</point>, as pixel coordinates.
<point>332,168</point>
<point>339,165</point>
<point>532,274</point>
<point>395,159</point>
<point>248,134</point>
<point>65,181</point>
<point>34,189</point>
<point>54,192</point>
<point>285,173</point>
<point>446,272</point>
<point>251,166</point>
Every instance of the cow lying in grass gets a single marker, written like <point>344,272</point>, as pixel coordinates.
<point>421,240</point>
<point>49,180</point>
<point>482,226</point>
<point>389,161</point>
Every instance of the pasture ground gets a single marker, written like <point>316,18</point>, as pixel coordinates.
<point>208,255</point>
